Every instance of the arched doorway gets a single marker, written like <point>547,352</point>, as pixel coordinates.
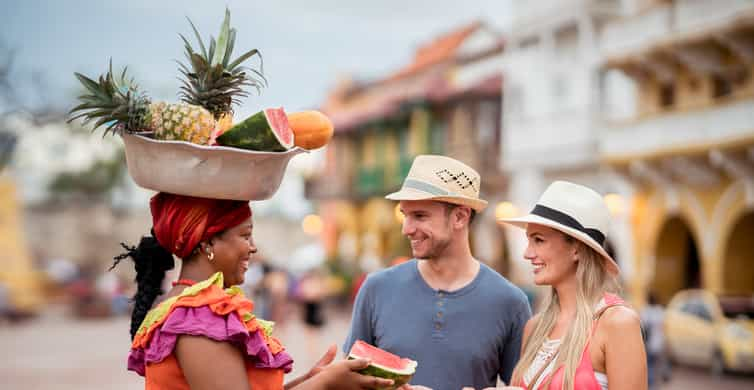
<point>738,258</point>
<point>677,264</point>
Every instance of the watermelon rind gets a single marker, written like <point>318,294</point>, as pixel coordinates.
<point>254,133</point>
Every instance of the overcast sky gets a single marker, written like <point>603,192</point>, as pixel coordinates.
<point>305,44</point>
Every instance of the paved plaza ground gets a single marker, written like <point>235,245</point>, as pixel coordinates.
<point>58,352</point>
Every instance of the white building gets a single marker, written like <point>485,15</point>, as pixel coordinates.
<point>651,100</point>
<point>551,103</point>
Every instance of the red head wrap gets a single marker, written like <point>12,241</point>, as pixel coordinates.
<point>182,222</point>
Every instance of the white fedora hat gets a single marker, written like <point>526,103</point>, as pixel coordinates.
<point>441,179</point>
<point>575,210</point>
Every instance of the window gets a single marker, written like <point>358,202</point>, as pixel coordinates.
<point>437,137</point>
<point>703,313</point>
<point>528,43</point>
<point>694,83</point>
<point>514,101</point>
<point>667,95</point>
<point>687,307</point>
<point>697,309</point>
<point>559,89</point>
<point>721,86</point>
<point>487,120</point>
<point>567,42</point>
<point>404,141</point>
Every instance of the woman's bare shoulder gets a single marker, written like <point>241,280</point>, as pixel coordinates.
<point>620,318</point>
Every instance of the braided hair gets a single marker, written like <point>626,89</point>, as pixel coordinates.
<point>151,261</point>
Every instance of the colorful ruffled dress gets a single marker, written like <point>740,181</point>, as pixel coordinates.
<point>206,309</point>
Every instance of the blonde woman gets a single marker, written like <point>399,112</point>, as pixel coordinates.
<point>586,338</point>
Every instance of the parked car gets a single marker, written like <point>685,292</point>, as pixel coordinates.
<point>713,331</point>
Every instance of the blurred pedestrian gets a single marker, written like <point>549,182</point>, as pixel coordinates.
<point>312,293</point>
<point>4,302</point>
<point>653,322</point>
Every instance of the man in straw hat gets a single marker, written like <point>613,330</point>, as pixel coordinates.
<point>460,320</point>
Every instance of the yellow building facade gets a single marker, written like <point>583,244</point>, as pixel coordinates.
<point>17,272</point>
<point>686,149</point>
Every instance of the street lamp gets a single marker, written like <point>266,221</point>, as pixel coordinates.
<point>505,210</point>
<point>615,204</point>
<point>312,224</point>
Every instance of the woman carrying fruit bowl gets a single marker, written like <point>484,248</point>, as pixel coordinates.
<point>202,333</point>
<point>586,337</point>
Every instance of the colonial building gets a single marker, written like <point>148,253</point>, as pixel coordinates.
<point>447,101</point>
<point>551,108</point>
<point>678,128</point>
<point>649,102</point>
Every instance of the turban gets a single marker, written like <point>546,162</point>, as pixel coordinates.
<point>182,222</point>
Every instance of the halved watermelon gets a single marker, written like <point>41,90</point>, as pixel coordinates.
<point>384,364</point>
<point>267,130</point>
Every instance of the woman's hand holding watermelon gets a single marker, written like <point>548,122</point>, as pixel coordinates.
<point>344,375</point>
<point>341,375</point>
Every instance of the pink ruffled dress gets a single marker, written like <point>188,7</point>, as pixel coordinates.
<point>206,309</point>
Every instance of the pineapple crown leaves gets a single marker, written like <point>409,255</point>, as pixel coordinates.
<point>114,102</point>
<point>212,79</point>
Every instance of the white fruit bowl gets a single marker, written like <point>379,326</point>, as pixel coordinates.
<point>219,172</point>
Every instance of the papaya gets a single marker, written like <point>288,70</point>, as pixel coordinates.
<point>311,129</point>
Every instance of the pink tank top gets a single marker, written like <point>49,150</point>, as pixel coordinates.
<point>584,378</point>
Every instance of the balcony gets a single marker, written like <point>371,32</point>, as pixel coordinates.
<point>662,134</point>
<point>635,33</point>
<point>323,187</point>
<point>528,13</point>
<point>667,23</point>
<point>694,15</point>
<point>370,181</point>
<point>559,140</point>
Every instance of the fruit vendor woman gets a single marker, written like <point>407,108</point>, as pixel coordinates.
<point>203,335</point>
<point>459,319</point>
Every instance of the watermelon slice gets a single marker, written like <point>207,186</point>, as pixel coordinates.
<point>384,364</point>
<point>267,130</point>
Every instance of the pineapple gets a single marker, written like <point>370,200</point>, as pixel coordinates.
<point>212,80</point>
<point>120,105</point>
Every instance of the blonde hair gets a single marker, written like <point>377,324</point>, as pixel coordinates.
<point>593,280</point>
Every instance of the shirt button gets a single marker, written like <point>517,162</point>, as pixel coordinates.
<point>439,314</point>
<point>439,303</point>
<point>437,326</point>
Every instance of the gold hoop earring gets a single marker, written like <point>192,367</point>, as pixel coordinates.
<point>210,255</point>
